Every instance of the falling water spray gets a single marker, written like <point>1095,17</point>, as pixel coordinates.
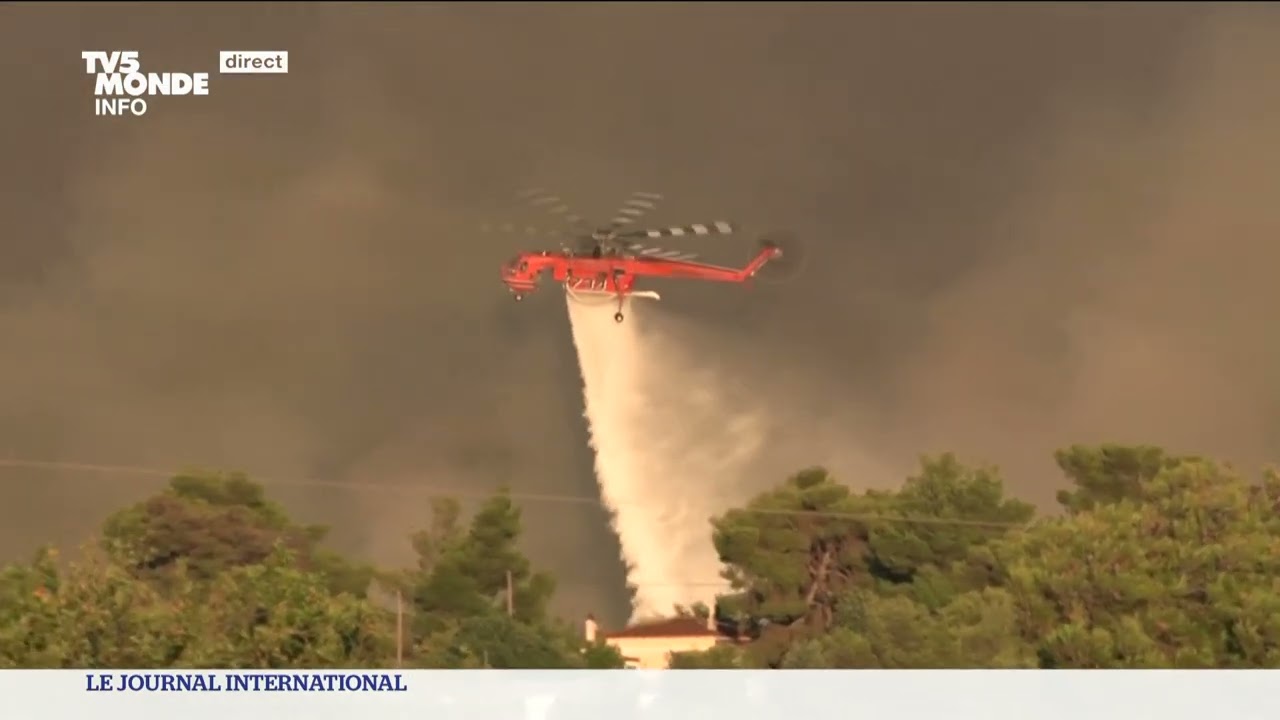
<point>663,445</point>
<point>687,422</point>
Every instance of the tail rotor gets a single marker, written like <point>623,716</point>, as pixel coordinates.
<point>786,266</point>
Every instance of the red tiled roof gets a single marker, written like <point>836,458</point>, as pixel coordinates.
<point>669,627</point>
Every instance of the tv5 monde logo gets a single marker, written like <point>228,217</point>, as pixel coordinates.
<point>121,88</point>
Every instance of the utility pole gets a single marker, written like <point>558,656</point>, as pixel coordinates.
<point>399,628</point>
<point>511,596</point>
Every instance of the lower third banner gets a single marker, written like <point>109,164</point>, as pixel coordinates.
<point>636,694</point>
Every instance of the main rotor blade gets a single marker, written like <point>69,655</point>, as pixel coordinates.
<point>634,208</point>
<point>525,230</point>
<point>551,204</point>
<point>656,252</point>
<point>720,227</point>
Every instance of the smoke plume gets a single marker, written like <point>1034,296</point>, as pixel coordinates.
<point>1028,226</point>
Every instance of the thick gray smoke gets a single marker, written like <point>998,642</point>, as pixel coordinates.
<point>1027,226</point>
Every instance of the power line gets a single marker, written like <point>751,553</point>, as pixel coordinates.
<point>723,584</point>
<point>440,491</point>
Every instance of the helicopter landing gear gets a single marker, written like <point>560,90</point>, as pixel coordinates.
<point>617,317</point>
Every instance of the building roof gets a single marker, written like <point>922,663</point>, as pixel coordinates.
<point>664,628</point>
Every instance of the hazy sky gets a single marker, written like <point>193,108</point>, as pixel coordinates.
<point>1026,226</point>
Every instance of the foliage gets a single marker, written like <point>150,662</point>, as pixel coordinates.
<point>277,615</point>
<point>209,573</point>
<point>1156,560</point>
<point>698,610</point>
<point>464,573</point>
<point>795,552</point>
<point>95,613</point>
<point>720,657</point>
<point>211,522</point>
<point>477,601</point>
<point>495,640</point>
<point>1108,474</point>
<point>1184,571</point>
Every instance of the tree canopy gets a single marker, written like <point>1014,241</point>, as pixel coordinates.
<point>209,573</point>
<point>1155,561</point>
<point>1151,560</point>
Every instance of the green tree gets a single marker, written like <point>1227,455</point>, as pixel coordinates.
<point>210,522</point>
<point>477,601</point>
<point>494,640</point>
<point>1159,561</point>
<point>698,611</point>
<point>469,572</point>
<point>1106,474</point>
<point>977,629</point>
<point>720,657</point>
<point>788,553</point>
<point>210,573</point>
<point>94,614</point>
<point>1181,572</point>
<point>276,614</point>
<point>940,522</point>
<point>794,551</point>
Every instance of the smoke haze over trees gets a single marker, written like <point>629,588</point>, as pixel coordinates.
<point>1156,561</point>
<point>1030,225</point>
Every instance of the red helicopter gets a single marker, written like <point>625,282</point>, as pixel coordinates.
<point>606,261</point>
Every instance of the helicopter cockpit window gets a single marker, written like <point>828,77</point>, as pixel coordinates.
<point>524,266</point>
